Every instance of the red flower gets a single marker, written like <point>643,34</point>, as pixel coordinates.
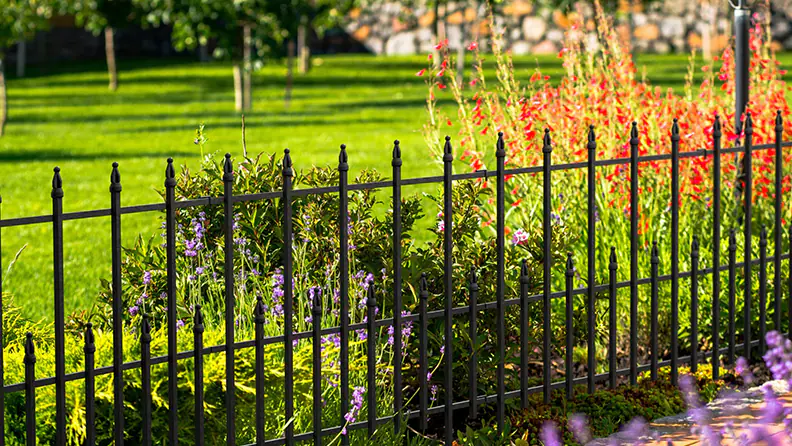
<point>421,73</point>
<point>473,46</point>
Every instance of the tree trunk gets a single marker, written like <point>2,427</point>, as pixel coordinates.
<point>247,72</point>
<point>238,94</point>
<point>21,58</point>
<point>290,49</point>
<point>3,99</point>
<point>203,53</point>
<point>460,62</point>
<point>303,49</point>
<point>436,29</point>
<point>111,59</point>
<point>709,14</point>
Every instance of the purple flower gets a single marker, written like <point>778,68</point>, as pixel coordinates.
<point>146,277</point>
<point>433,390</point>
<point>549,434</point>
<point>578,424</point>
<point>179,324</point>
<point>133,310</point>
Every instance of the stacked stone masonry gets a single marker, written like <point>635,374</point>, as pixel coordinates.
<point>662,27</point>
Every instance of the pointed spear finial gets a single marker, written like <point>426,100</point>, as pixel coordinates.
<point>732,239</point>
<point>500,146</point>
<point>634,133</point>
<point>198,320</point>
<point>343,160</point>
<point>524,272</point>
<point>90,346</point>
<point>396,154</point>
<point>763,236</point>
<point>57,184</point>
<point>259,311</point>
<point>613,257</point>
<point>317,300</point>
<point>716,127</point>
<point>675,130</point>
<point>115,179</point>
<point>473,278</point>
<point>570,265</point>
<point>748,124</point>
<point>694,247</point>
<point>424,287</point>
<point>779,122</point>
<point>170,174</point>
<point>228,168</point>
<point>30,349</point>
<point>145,330</point>
<point>592,139</point>
<point>371,299</point>
<point>287,164</point>
<point>547,144</point>
<point>655,258</point>
<point>447,152</point>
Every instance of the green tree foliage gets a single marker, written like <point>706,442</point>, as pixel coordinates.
<point>19,20</point>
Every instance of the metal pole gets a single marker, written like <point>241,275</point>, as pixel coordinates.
<point>742,55</point>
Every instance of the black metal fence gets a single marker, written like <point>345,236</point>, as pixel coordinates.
<point>472,400</point>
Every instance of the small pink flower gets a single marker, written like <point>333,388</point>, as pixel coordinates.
<point>421,73</point>
<point>473,46</point>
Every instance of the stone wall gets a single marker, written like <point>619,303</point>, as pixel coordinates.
<point>665,26</point>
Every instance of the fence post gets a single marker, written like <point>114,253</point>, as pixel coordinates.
<point>145,377</point>
<point>570,334</point>
<point>592,256</point>
<point>547,263</point>
<point>371,360</point>
<point>228,276</point>
<point>60,342</point>
<point>423,340</point>
<point>259,318</point>
<point>343,266</point>
<point>316,325</point>
<point>198,330</point>
<point>716,246</point>
<point>118,306</point>
<point>612,267</point>
<point>30,391</point>
<point>675,252</point>
<point>762,289</point>
<point>634,141</point>
<point>747,254</point>
<point>500,155</point>
<point>777,228</point>
<point>524,349</point>
<point>90,408</point>
<point>397,288</point>
<point>473,334</point>
<point>170,251</point>
<point>732,295</point>
<point>694,304</point>
<point>655,261</point>
<point>448,278</point>
<point>288,299</point>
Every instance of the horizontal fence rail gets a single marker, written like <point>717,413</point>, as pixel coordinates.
<point>417,412</point>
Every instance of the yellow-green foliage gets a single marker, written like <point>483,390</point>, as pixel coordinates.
<point>214,388</point>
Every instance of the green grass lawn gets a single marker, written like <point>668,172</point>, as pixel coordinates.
<point>67,117</point>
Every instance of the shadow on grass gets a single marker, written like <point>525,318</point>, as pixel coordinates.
<point>55,156</point>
